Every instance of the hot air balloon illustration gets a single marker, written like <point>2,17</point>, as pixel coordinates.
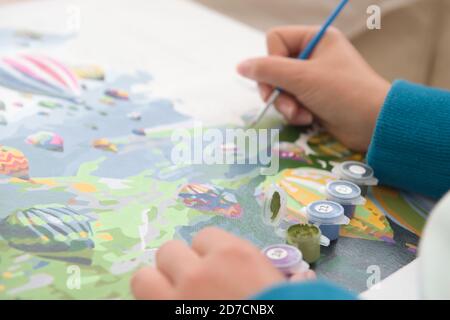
<point>13,163</point>
<point>291,151</point>
<point>136,116</point>
<point>89,72</point>
<point>104,144</point>
<point>39,75</point>
<point>117,94</point>
<point>52,232</point>
<point>139,132</point>
<point>46,140</point>
<point>209,198</point>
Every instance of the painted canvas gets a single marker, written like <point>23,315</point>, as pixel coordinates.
<point>88,190</point>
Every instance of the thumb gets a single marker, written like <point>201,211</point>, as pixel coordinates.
<point>282,72</point>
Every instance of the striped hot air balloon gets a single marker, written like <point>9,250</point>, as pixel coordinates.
<point>13,163</point>
<point>49,231</point>
<point>46,140</point>
<point>39,75</point>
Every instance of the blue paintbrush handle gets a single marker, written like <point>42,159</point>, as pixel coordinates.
<point>306,53</point>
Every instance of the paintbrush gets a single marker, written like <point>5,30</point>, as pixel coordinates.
<point>304,55</point>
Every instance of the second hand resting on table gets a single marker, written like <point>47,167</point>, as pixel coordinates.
<point>203,271</point>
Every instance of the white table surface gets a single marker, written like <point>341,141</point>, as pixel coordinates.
<point>191,51</point>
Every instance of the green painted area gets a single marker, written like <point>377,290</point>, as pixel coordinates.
<point>275,205</point>
<point>116,215</point>
<point>50,105</point>
<point>396,203</point>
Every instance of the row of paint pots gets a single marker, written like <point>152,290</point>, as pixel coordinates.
<point>343,196</point>
<point>324,217</point>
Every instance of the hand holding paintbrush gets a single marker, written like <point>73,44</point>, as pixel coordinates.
<point>336,86</point>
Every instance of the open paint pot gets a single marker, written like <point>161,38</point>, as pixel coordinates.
<point>275,206</point>
<point>288,259</point>
<point>345,193</point>
<point>328,216</point>
<point>357,172</point>
<point>307,238</point>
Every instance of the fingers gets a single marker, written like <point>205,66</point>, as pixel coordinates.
<point>292,111</point>
<point>265,91</point>
<point>282,69</point>
<point>150,284</point>
<point>288,106</point>
<point>289,41</point>
<point>211,239</point>
<point>303,276</point>
<point>285,73</point>
<point>210,278</point>
<point>174,259</point>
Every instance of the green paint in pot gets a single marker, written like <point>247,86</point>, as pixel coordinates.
<point>305,237</point>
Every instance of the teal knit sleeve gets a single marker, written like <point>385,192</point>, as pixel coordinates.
<point>308,290</point>
<point>410,147</point>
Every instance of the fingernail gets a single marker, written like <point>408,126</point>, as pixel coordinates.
<point>244,68</point>
<point>264,93</point>
<point>306,118</point>
<point>289,111</point>
<point>309,118</point>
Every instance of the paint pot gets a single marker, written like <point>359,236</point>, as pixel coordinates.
<point>307,238</point>
<point>288,259</point>
<point>275,206</point>
<point>328,216</point>
<point>347,194</point>
<point>357,172</point>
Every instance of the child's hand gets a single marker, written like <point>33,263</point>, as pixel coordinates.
<point>336,85</point>
<point>218,266</point>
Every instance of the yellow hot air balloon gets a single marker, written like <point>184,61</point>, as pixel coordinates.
<point>13,163</point>
<point>104,144</point>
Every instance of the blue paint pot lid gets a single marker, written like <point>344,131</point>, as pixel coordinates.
<point>357,172</point>
<point>283,256</point>
<point>343,190</point>
<point>325,212</point>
